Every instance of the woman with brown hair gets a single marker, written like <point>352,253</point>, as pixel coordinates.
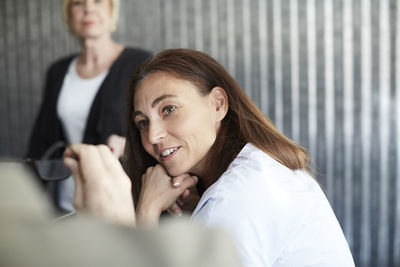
<point>189,122</point>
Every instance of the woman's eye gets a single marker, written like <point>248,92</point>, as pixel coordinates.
<point>168,110</point>
<point>142,124</point>
<point>77,3</point>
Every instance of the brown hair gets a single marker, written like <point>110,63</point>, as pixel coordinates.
<point>243,123</point>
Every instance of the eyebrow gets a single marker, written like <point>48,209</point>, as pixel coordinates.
<point>160,98</point>
<point>155,102</point>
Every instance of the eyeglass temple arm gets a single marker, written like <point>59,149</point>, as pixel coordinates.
<point>53,148</point>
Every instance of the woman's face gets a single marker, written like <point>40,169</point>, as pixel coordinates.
<point>90,18</point>
<point>177,125</point>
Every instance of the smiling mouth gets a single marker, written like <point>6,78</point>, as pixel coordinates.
<point>168,152</point>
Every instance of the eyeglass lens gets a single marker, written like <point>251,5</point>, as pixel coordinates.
<point>52,169</point>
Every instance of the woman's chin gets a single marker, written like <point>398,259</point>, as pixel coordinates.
<point>173,172</point>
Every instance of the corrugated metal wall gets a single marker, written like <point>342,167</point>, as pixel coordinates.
<point>324,71</point>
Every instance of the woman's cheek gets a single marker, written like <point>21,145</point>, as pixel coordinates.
<point>147,146</point>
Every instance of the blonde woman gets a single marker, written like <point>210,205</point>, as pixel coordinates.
<point>84,93</point>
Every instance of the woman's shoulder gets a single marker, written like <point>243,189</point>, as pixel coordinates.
<point>255,168</point>
<point>254,177</point>
<point>265,206</point>
<point>129,59</point>
<point>62,63</point>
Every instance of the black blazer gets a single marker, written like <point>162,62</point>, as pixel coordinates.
<point>107,114</point>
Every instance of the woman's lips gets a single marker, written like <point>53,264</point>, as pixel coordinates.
<point>168,153</point>
<point>88,22</point>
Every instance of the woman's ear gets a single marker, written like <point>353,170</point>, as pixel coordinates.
<point>220,102</point>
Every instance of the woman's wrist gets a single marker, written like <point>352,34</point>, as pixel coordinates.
<point>147,215</point>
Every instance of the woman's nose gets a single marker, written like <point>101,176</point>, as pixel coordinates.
<point>89,5</point>
<point>156,133</point>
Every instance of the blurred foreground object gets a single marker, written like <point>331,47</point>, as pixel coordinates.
<point>29,236</point>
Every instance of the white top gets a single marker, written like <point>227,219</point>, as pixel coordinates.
<point>75,100</point>
<point>73,107</point>
<point>277,217</point>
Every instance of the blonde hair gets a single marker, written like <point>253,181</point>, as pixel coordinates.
<point>114,19</point>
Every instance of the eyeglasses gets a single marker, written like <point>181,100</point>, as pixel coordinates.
<point>50,168</point>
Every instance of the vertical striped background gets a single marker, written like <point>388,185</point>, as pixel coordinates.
<point>324,71</point>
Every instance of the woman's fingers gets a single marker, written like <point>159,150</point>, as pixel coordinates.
<point>72,165</point>
<point>191,198</point>
<point>116,144</point>
<point>71,162</point>
<point>183,189</point>
<point>102,186</point>
<point>174,210</point>
<point>89,161</point>
<point>184,195</point>
<point>110,162</point>
<point>179,200</point>
<point>189,181</point>
<point>161,192</point>
<point>184,182</point>
<point>76,158</point>
<point>177,181</point>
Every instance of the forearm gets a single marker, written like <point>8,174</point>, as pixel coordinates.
<point>147,215</point>
<point>158,193</point>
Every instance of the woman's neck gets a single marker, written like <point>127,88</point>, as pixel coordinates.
<point>206,178</point>
<point>97,55</point>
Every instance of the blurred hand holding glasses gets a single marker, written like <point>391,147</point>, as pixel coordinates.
<point>50,167</point>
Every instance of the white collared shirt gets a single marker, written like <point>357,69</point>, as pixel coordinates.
<point>277,217</point>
